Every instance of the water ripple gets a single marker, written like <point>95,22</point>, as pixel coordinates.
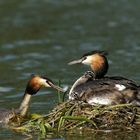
<point>6,89</point>
<point>27,64</point>
<point>8,57</point>
<point>21,43</point>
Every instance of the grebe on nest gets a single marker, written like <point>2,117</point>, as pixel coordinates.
<point>96,88</point>
<point>33,86</point>
<point>96,60</point>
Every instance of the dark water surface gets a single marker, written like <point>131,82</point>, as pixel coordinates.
<point>42,36</point>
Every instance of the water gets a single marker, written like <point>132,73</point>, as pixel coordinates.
<point>41,37</point>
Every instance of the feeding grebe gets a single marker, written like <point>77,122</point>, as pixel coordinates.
<point>33,86</point>
<point>103,91</point>
<point>95,85</point>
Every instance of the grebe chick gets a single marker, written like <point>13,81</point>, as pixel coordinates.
<point>103,91</point>
<point>96,60</point>
<point>88,76</point>
<point>33,86</point>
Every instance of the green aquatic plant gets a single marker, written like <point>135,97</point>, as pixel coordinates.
<point>60,95</point>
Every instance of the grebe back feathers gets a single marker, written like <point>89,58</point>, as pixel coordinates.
<point>103,91</point>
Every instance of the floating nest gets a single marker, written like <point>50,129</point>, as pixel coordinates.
<point>72,115</point>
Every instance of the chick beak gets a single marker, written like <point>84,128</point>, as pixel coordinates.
<point>75,62</point>
<point>56,87</point>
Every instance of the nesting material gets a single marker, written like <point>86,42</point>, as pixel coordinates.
<point>79,115</point>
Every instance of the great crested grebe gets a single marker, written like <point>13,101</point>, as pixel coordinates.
<point>96,88</point>
<point>96,60</point>
<point>33,86</point>
<point>103,91</point>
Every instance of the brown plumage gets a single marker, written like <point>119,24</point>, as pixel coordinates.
<point>99,65</point>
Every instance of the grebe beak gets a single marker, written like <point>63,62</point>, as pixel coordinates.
<point>56,87</point>
<point>75,62</point>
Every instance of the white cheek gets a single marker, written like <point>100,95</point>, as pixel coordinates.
<point>88,60</point>
<point>120,87</point>
<point>44,83</point>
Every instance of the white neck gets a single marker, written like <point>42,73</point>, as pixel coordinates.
<point>79,81</point>
<point>25,104</point>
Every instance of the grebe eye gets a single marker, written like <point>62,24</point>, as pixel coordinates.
<point>48,82</point>
<point>84,58</point>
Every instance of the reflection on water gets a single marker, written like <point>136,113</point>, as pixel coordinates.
<point>116,135</point>
<point>41,37</point>
<point>104,136</point>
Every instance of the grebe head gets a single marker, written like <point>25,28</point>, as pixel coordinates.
<point>37,82</point>
<point>33,86</point>
<point>96,60</point>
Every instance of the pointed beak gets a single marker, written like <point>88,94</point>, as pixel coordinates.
<point>56,87</point>
<point>75,62</point>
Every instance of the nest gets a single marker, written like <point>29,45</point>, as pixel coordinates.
<point>79,115</point>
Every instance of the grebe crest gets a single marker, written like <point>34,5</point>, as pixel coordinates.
<point>37,82</point>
